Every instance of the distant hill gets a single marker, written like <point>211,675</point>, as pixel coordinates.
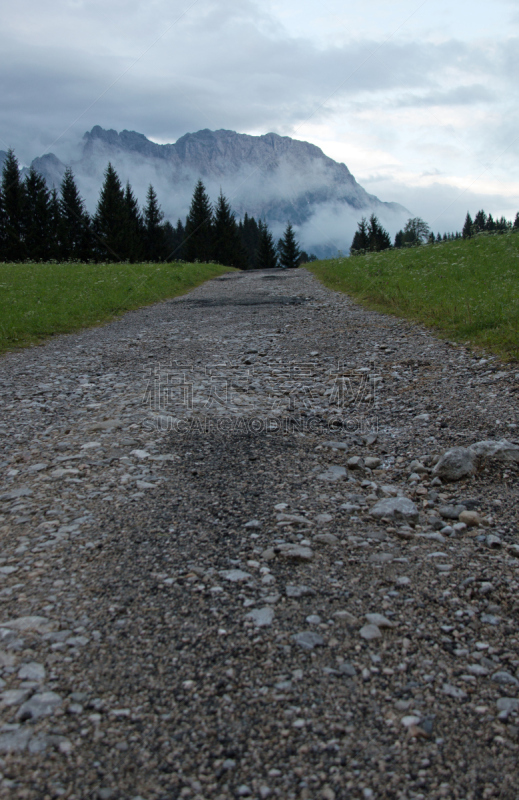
<point>273,177</point>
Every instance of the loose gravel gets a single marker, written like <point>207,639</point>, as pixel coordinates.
<point>229,570</point>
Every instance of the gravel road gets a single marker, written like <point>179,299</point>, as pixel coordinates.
<point>228,567</point>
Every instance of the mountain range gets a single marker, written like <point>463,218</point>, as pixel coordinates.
<point>272,177</point>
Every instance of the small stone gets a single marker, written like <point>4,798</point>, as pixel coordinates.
<point>299,591</point>
<point>292,519</point>
<point>508,704</point>
<point>493,541</point>
<point>477,669</point>
<point>235,575</point>
<point>14,741</point>
<point>140,454</point>
<point>372,462</point>
<point>253,523</point>
<point>106,425</point>
<point>261,617</point>
<point>39,705</point>
<point>470,518</point>
<point>453,691</point>
<point>403,580</point>
<point>379,621</point>
<point>459,527</point>
<point>314,619</point>
<point>323,519</point>
<point>32,672</point>
<point>504,679</point>
<point>451,512</point>
<point>410,721</point>
<point>36,624</point>
<point>333,473</point>
<point>6,659</point>
<point>144,485</point>
<point>395,508</point>
<point>308,640</point>
<point>370,632</point>
<point>335,445</point>
<point>490,619</point>
<point>294,552</point>
<point>325,538</point>
<point>356,462</point>
<point>380,558</point>
<point>345,618</point>
<point>347,669</point>
<point>15,697</point>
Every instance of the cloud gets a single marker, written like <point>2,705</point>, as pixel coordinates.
<point>419,101</point>
<point>218,66</point>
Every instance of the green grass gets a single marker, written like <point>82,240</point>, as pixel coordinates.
<point>41,300</point>
<point>467,290</point>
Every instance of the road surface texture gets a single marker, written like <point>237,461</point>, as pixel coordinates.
<point>231,567</point>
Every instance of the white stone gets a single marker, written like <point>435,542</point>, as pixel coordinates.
<point>261,617</point>
<point>370,632</point>
<point>395,507</point>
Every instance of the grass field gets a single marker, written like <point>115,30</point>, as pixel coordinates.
<point>467,290</point>
<point>41,300</point>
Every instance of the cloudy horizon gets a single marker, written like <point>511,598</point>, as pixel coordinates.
<point>416,98</point>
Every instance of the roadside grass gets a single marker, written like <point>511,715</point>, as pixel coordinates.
<point>42,300</point>
<point>467,290</point>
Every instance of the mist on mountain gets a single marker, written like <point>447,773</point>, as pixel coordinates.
<point>272,177</point>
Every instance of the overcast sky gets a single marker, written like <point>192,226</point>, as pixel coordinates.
<point>419,99</point>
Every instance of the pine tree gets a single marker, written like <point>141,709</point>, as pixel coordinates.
<point>175,242</point>
<point>74,236</point>
<point>133,226</point>
<point>288,248</point>
<point>36,217</point>
<point>360,241</point>
<point>467,227</point>
<point>13,247</point>
<point>198,243</point>
<point>154,240</point>
<point>480,221</point>
<point>438,237</point>
<point>55,226</point>
<point>267,255</point>
<point>516,222</point>
<point>378,237</point>
<point>110,218</point>
<point>227,247</point>
<point>491,225</point>
<point>399,239</point>
<point>250,238</point>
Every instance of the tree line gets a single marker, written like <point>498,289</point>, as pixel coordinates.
<point>38,224</point>
<point>371,237</point>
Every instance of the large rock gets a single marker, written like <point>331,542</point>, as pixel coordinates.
<point>503,450</point>
<point>395,508</point>
<point>462,462</point>
<point>456,464</point>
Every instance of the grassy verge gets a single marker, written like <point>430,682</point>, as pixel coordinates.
<point>41,300</point>
<point>468,290</point>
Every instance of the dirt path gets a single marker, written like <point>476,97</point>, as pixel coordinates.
<point>193,549</point>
